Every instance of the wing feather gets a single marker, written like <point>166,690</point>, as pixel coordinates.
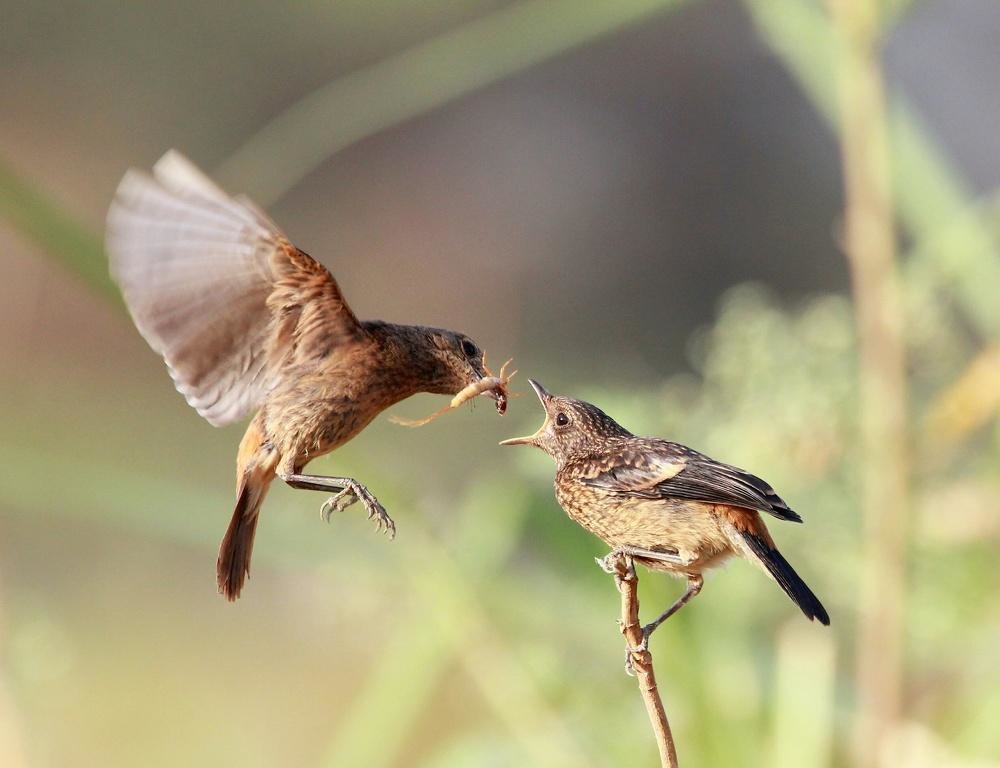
<point>215,287</point>
<point>657,469</point>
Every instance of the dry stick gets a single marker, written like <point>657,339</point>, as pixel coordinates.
<point>641,662</point>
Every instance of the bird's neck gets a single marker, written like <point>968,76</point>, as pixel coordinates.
<point>581,460</point>
<point>406,359</point>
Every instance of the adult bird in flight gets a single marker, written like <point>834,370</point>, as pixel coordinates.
<point>249,324</point>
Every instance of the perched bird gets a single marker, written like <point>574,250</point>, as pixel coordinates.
<point>249,324</point>
<point>663,504</point>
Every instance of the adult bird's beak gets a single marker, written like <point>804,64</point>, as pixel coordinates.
<point>544,398</point>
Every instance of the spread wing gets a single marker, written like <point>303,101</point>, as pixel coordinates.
<point>216,288</point>
<point>657,469</point>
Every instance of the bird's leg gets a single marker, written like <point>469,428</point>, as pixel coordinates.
<point>694,584</point>
<point>349,491</point>
<point>607,562</point>
<point>610,564</point>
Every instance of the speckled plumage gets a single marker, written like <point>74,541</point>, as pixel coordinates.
<point>248,323</point>
<point>681,509</point>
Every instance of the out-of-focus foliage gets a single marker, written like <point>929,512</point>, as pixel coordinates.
<point>484,636</point>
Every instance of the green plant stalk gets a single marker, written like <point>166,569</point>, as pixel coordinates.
<point>505,685</point>
<point>417,80</point>
<point>870,245</point>
<point>421,656</point>
<point>804,697</point>
<point>42,221</point>
<point>435,574</point>
<point>348,109</point>
<point>953,241</point>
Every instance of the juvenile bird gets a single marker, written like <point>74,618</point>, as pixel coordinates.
<point>248,323</point>
<point>663,504</point>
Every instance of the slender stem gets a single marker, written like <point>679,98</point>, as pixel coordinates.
<point>642,661</point>
<point>42,221</point>
<point>870,243</point>
<point>416,80</point>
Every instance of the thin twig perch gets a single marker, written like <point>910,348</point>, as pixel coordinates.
<point>640,661</point>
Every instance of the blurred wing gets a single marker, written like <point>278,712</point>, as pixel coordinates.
<point>670,471</point>
<point>216,288</point>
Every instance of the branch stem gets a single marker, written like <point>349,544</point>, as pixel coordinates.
<point>641,661</point>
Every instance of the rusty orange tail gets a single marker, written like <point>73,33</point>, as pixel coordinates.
<point>254,473</point>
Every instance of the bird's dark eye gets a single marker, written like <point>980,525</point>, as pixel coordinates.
<point>469,349</point>
<point>561,419</point>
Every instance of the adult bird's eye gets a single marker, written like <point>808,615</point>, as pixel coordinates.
<point>469,349</point>
<point>561,419</point>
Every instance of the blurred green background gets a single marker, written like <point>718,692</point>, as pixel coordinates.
<point>642,201</point>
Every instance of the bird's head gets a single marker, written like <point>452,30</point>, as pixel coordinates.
<point>572,428</point>
<point>457,361</point>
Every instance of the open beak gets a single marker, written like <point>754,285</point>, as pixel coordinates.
<point>543,397</point>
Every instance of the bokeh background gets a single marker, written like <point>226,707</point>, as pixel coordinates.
<point>641,200</point>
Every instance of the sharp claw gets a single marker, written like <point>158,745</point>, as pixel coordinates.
<point>382,520</point>
<point>350,495</point>
<point>604,564</point>
<point>344,499</point>
<point>337,503</point>
<point>629,666</point>
<point>643,647</point>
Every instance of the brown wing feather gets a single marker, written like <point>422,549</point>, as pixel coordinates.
<point>216,288</point>
<point>309,315</point>
<point>658,469</point>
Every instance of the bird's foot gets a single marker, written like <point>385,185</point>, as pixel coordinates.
<point>622,570</point>
<point>606,563</point>
<point>357,492</point>
<point>377,513</point>
<point>644,643</point>
<point>631,652</point>
<point>629,664</point>
<point>337,503</point>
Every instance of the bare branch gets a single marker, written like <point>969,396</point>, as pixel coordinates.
<point>640,660</point>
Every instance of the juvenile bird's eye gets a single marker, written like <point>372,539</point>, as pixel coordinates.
<point>561,419</point>
<point>469,349</point>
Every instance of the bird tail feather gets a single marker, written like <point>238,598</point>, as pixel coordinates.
<point>787,578</point>
<point>233,565</point>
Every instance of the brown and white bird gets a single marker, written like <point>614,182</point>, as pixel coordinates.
<point>663,504</point>
<point>249,324</point>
